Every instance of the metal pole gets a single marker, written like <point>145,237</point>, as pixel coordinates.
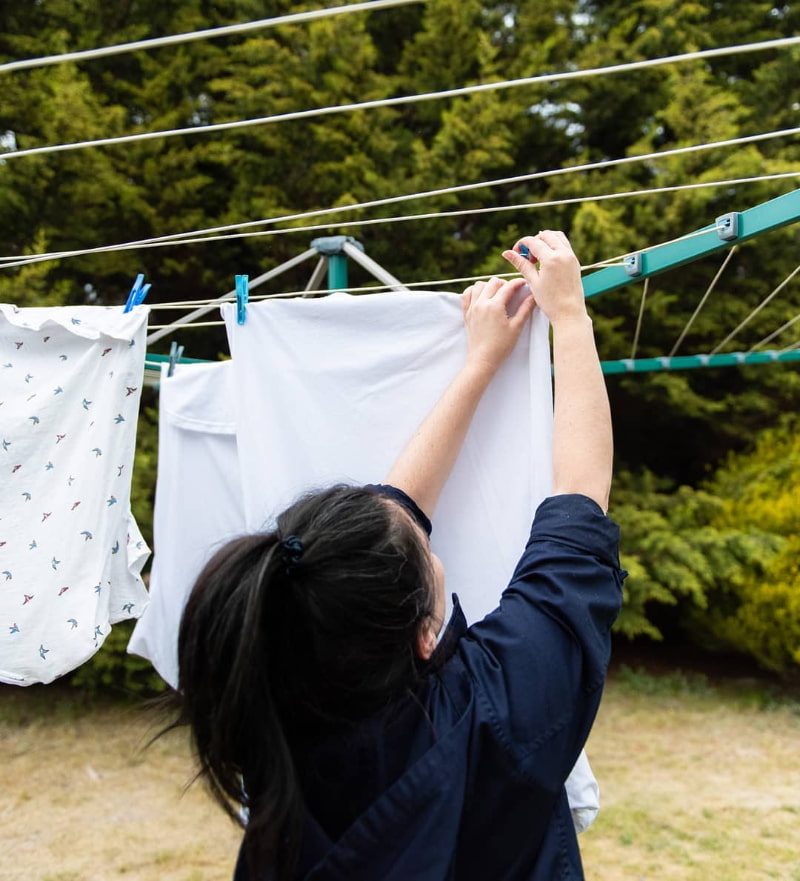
<point>375,268</point>
<point>337,272</point>
<point>204,310</point>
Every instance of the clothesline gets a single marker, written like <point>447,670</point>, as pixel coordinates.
<point>768,299</point>
<point>703,299</point>
<point>775,333</point>
<point>205,34</point>
<point>505,275</point>
<point>316,292</point>
<point>379,288</point>
<point>338,210</point>
<point>11,262</point>
<point>704,232</point>
<point>400,100</point>
<point>468,212</point>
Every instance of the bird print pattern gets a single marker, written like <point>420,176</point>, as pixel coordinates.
<point>70,552</point>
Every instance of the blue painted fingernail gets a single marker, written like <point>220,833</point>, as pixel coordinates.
<point>523,250</point>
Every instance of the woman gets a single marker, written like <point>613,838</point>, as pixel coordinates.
<point>318,691</point>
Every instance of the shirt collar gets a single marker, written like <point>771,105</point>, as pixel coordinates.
<point>456,628</point>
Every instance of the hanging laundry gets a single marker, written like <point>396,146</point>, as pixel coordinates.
<point>329,390</point>
<point>198,503</point>
<point>70,551</point>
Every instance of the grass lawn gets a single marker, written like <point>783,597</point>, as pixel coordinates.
<point>698,783</point>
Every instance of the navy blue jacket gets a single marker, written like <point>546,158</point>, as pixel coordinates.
<point>465,781</point>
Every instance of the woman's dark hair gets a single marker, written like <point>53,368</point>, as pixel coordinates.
<point>280,641</point>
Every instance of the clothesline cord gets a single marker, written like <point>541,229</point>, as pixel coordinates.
<point>703,299</point>
<point>205,34</point>
<point>775,333</point>
<point>620,259</point>
<point>191,324</point>
<point>428,283</point>
<point>427,216</point>
<point>361,289</point>
<point>498,208</point>
<point>426,194</point>
<point>639,320</point>
<point>755,311</point>
<point>409,99</point>
<point>382,288</point>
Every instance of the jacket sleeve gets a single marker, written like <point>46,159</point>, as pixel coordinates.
<point>538,662</point>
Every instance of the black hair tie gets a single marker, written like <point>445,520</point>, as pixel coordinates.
<point>291,550</point>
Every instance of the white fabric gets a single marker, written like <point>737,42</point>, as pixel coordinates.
<point>70,551</point>
<point>583,794</point>
<point>198,502</point>
<point>330,390</point>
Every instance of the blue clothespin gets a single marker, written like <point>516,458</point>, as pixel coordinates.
<point>525,252</point>
<point>137,294</point>
<point>175,355</point>
<point>242,296</point>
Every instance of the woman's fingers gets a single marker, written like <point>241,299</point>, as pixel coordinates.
<point>487,289</point>
<point>495,288</point>
<point>523,312</point>
<point>523,265</point>
<point>556,240</point>
<point>506,291</point>
<point>466,299</point>
<point>540,246</point>
<point>555,281</point>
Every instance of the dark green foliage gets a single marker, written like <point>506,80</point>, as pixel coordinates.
<point>728,553</point>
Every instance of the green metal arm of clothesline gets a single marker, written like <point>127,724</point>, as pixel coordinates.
<point>769,215</point>
<point>154,361</point>
<point>691,362</point>
<point>626,365</point>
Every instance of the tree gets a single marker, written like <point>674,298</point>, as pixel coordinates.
<point>677,426</point>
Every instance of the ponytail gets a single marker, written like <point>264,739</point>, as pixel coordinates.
<point>293,634</point>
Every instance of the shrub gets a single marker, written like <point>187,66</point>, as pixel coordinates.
<point>727,553</point>
<point>760,613</point>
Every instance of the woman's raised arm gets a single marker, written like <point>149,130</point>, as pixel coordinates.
<point>424,465</point>
<point>582,435</point>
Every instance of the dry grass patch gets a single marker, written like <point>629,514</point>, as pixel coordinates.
<point>698,784</point>
<point>81,801</point>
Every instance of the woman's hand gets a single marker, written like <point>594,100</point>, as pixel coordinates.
<point>491,332</point>
<point>428,458</point>
<point>556,283</point>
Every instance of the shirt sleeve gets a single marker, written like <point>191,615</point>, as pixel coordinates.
<point>538,662</point>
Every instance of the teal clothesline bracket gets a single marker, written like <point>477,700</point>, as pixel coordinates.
<point>746,224</point>
<point>332,248</point>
